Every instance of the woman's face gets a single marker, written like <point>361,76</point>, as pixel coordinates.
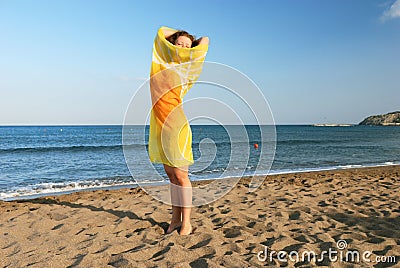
<point>183,41</point>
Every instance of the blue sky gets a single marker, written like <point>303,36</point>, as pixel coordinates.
<point>80,62</point>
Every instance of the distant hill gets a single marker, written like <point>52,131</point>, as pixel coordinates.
<point>390,119</point>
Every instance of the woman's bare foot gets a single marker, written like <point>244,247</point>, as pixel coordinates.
<point>173,226</point>
<point>186,229</point>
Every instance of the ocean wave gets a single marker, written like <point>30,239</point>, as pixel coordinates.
<point>301,142</point>
<point>74,148</point>
<point>57,188</point>
<point>51,189</point>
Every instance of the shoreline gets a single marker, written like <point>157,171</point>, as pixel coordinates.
<point>12,196</point>
<point>289,212</point>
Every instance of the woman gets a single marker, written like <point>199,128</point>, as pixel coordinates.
<point>176,64</point>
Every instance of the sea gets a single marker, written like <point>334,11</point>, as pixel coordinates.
<point>51,160</point>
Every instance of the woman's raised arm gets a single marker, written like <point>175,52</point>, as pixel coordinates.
<point>201,41</point>
<point>204,40</point>
<point>168,32</point>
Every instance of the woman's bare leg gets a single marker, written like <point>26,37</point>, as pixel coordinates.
<point>176,219</point>
<point>185,187</point>
<point>181,198</point>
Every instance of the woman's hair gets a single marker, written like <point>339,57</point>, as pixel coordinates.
<point>172,38</point>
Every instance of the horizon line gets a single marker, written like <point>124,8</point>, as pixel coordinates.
<point>73,125</point>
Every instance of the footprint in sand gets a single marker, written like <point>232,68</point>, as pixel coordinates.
<point>294,216</point>
<point>232,232</point>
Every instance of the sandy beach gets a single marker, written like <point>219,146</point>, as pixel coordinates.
<point>298,212</point>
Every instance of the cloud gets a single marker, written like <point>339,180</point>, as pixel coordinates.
<point>392,12</point>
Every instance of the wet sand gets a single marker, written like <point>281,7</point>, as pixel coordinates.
<point>292,212</point>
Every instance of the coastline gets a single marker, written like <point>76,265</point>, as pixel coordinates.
<point>125,227</point>
<point>75,187</point>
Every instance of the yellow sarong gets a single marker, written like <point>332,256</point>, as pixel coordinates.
<point>173,72</point>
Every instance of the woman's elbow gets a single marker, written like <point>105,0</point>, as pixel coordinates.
<point>204,41</point>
